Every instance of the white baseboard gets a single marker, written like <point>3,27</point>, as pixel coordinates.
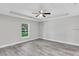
<point>40,38</point>
<point>69,43</point>
<point>11,44</point>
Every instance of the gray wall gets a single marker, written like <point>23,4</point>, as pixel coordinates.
<point>63,30</point>
<point>40,29</point>
<point>10,30</point>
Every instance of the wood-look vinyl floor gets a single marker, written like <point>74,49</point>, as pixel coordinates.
<point>40,47</point>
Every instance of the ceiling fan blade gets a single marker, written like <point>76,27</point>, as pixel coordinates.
<point>36,15</point>
<point>46,13</point>
<point>20,14</point>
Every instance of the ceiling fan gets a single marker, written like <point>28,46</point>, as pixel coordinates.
<point>42,13</point>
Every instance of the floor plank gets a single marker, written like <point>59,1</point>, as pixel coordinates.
<point>40,47</point>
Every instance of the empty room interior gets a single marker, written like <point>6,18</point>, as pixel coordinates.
<point>39,29</point>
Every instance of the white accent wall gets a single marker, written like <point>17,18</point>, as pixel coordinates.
<point>65,30</point>
<point>10,28</point>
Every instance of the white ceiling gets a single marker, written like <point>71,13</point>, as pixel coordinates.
<point>27,9</point>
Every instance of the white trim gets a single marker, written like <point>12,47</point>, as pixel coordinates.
<point>11,44</point>
<point>20,17</point>
<point>69,43</point>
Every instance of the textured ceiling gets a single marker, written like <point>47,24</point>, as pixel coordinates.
<point>27,9</point>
